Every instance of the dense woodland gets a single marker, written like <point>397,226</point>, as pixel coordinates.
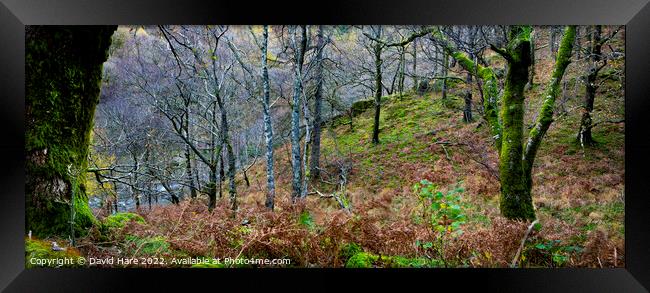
<point>330,146</point>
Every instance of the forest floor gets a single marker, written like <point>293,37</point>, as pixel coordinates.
<point>379,220</point>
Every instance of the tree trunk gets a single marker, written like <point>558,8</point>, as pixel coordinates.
<point>545,116</point>
<point>402,73</point>
<point>318,100</point>
<point>531,74</point>
<point>268,129</point>
<point>552,41</point>
<point>212,188</point>
<point>190,177</point>
<point>584,133</point>
<point>516,201</point>
<point>445,69</point>
<point>467,113</point>
<point>299,52</point>
<point>377,51</point>
<point>415,64</point>
<point>63,71</point>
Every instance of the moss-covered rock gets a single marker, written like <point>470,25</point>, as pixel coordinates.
<point>39,253</point>
<point>63,67</point>
<point>359,107</point>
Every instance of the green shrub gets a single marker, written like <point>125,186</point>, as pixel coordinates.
<point>447,214</point>
<point>306,220</point>
<point>349,249</point>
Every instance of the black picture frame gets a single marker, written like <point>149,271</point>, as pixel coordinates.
<point>635,14</point>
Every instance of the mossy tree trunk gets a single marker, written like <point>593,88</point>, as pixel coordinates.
<point>63,79</point>
<point>515,160</point>
<point>545,116</point>
<point>516,201</point>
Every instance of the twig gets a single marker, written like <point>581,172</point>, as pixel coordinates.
<point>521,246</point>
<point>340,202</point>
<point>446,153</point>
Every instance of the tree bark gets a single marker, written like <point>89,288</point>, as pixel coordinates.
<point>545,116</point>
<point>584,133</point>
<point>299,53</point>
<point>415,64</point>
<point>377,51</point>
<point>516,201</point>
<point>268,127</point>
<point>63,71</point>
<point>318,100</point>
<point>467,112</point>
<point>188,162</point>
<point>445,70</point>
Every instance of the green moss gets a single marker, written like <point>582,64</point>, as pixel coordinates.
<point>359,107</point>
<point>38,252</point>
<point>362,260</point>
<point>118,220</point>
<point>150,246</point>
<point>369,260</point>
<point>63,76</point>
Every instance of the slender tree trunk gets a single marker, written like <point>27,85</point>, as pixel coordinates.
<point>415,64</point>
<point>134,181</point>
<point>402,73</point>
<point>268,128</point>
<point>188,163</point>
<point>584,133</point>
<point>545,117</point>
<point>190,178</point>
<point>531,74</point>
<point>222,173</point>
<point>445,69</point>
<point>552,41</point>
<point>377,50</point>
<point>212,188</point>
<point>318,100</point>
<point>299,51</point>
<point>305,153</point>
<point>116,197</point>
<point>467,113</point>
<point>225,141</point>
